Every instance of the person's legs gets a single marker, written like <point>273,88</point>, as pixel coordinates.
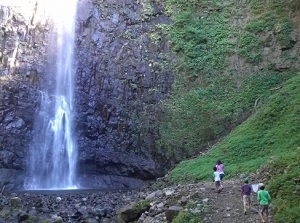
<point>245,203</point>
<point>261,213</point>
<point>221,182</point>
<point>249,201</point>
<point>262,217</point>
<point>217,183</point>
<point>266,211</point>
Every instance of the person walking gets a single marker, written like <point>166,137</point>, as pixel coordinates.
<point>246,193</point>
<point>264,199</point>
<point>220,169</point>
<point>217,180</point>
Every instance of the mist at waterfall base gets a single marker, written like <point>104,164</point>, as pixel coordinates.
<point>53,153</point>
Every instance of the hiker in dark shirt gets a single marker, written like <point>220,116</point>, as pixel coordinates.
<point>246,193</point>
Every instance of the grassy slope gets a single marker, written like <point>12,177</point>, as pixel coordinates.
<point>270,137</point>
<point>210,95</point>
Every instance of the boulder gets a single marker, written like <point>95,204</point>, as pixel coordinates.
<point>132,211</point>
<point>172,212</point>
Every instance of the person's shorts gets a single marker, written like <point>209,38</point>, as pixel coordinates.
<point>246,200</point>
<point>221,176</point>
<point>264,209</point>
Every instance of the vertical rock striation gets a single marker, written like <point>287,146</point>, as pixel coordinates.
<point>122,58</point>
<point>23,45</point>
<point>122,75</point>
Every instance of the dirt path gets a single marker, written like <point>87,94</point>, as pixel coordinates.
<point>200,199</point>
<point>227,206</point>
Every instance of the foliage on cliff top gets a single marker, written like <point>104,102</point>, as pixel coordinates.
<point>270,137</point>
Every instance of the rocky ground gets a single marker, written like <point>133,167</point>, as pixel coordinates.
<point>202,199</point>
<point>227,207</point>
<point>64,206</point>
<point>156,206</point>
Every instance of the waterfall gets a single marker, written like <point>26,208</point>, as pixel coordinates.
<point>53,152</point>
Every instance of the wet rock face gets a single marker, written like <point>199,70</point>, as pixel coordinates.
<point>121,75</point>
<point>22,60</point>
<point>17,107</point>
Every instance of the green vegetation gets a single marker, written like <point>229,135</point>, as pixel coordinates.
<point>202,41</point>
<point>204,111</point>
<point>201,38</point>
<point>285,187</point>
<point>31,219</point>
<point>142,205</point>
<point>211,96</point>
<point>271,131</point>
<point>235,60</point>
<point>295,5</point>
<point>270,137</point>
<point>250,47</point>
<point>269,24</point>
<point>187,217</point>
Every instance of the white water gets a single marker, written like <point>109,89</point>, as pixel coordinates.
<point>53,155</point>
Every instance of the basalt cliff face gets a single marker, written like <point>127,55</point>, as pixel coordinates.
<point>121,75</point>
<point>23,59</point>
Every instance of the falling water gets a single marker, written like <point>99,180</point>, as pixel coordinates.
<point>53,154</point>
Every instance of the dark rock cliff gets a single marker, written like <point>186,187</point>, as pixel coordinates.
<point>22,61</point>
<point>120,77</point>
<point>122,74</point>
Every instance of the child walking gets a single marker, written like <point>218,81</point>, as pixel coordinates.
<point>264,199</point>
<point>217,180</point>
<point>220,169</point>
<point>246,193</point>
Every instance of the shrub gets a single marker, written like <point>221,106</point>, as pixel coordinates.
<point>187,217</point>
